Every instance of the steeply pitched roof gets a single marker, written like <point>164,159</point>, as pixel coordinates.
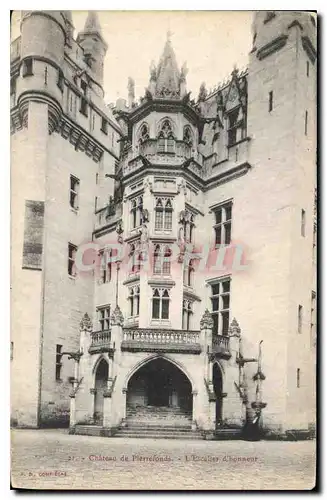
<point>92,23</point>
<point>168,74</point>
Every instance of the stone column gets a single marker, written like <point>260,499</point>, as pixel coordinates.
<point>83,402</point>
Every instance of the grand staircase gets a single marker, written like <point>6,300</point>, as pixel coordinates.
<point>158,422</point>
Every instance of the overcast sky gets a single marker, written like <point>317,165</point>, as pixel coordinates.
<point>211,42</point>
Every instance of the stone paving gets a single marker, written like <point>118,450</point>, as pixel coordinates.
<point>53,459</point>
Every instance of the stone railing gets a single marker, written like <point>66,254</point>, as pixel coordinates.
<point>149,150</point>
<point>220,345</point>
<point>149,340</point>
<point>107,215</point>
<point>101,342</point>
<point>15,48</point>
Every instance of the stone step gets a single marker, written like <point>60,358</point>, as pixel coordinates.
<point>155,427</point>
<point>88,430</point>
<point>159,434</point>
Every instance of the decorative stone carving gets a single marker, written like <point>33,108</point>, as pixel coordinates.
<point>117,317</point>
<point>86,323</point>
<point>148,184</point>
<point>119,231</point>
<point>206,322</point>
<point>234,329</point>
<point>181,185</point>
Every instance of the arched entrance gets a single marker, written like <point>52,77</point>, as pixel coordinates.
<point>159,393</point>
<point>217,381</point>
<point>101,380</point>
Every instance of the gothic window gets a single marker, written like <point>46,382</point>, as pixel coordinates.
<point>163,214</point>
<point>162,260</point>
<point>135,258</point>
<point>220,303</point>
<point>104,317</point>
<point>189,273</point>
<point>160,304</point>
<point>166,139</point>
<point>235,126</point>
<point>134,301</point>
<point>187,315</point>
<point>223,224</point>
<point>105,266</point>
<point>136,211</point>
<point>188,227</point>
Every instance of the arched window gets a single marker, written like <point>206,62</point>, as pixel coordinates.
<point>163,214</point>
<point>134,259</point>
<point>134,301</point>
<point>187,315</point>
<point>136,211</point>
<point>188,226</point>
<point>160,304</point>
<point>162,260</point>
<point>166,139</point>
<point>189,273</point>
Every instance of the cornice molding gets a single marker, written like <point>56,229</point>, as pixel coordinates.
<point>227,176</point>
<point>272,47</point>
<point>79,138</point>
<point>162,105</point>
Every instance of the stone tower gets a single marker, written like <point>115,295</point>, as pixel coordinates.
<point>64,140</point>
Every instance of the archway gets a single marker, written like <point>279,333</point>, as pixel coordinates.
<point>161,393</point>
<point>101,380</point>
<point>217,381</point>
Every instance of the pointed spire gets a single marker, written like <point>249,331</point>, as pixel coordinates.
<point>168,74</point>
<point>92,23</point>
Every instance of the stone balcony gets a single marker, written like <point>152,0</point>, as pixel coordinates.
<point>154,340</point>
<point>220,347</point>
<point>136,158</point>
<point>107,215</point>
<point>101,342</point>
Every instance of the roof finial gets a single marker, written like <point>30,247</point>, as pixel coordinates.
<point>169,35</point>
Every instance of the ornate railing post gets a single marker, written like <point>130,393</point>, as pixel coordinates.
<point>206,325</point>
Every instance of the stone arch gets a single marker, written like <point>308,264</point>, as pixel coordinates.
<point>218,385</point>
<point>101,357</point>
<point>152,357</point>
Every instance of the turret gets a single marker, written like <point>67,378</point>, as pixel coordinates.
<point>94,46</point>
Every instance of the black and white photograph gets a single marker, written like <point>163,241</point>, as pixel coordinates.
<point>163,250</point>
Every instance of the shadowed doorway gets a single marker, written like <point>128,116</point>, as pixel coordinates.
<point>160,392</point>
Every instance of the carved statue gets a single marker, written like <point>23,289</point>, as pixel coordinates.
<point>119,231</point>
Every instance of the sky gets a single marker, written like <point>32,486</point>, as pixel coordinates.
<point>210,42</point>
